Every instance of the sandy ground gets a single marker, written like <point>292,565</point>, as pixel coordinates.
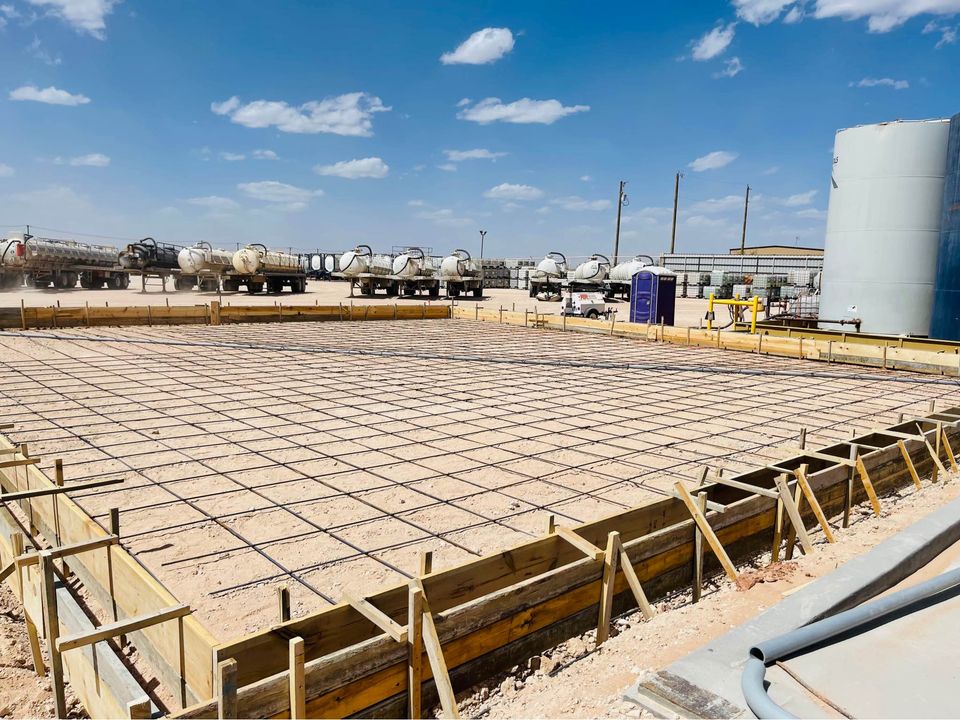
<point>328,456</point>
<point>579,680</point>
<point>689,311</point>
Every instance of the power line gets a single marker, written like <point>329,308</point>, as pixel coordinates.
<point>72,232</point>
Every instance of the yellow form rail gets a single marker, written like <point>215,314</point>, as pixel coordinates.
<point>753,303</point>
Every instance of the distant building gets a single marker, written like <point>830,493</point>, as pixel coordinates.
<point>777,250</point>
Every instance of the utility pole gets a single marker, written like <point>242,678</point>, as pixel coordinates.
<point>746,206</point>
<point>621,201</point>
<point>483,234</point>
<point>676,198</point>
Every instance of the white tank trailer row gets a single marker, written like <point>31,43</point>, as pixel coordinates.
<point>41,262</point>
<point>550,277</point>
<point>409,273</point>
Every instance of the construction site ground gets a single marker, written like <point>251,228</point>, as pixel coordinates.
<point>690,311</point>
<point>329,456</point>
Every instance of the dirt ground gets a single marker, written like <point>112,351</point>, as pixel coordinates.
<point>329,456</point>
<point>579,681</point>
<point>690,311</point>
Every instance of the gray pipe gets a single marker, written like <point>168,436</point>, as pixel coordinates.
<point>791,643</point>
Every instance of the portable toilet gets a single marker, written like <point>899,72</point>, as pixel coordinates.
<point>653,295</point>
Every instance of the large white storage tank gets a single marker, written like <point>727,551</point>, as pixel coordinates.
<point>883,226</point>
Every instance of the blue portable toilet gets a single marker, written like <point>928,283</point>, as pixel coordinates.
<point>653,295</point>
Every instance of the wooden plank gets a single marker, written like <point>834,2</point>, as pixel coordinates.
<point>283,602</point>
<point>19,462</point>
<point>909,463</point>
<point>794,513</point>
<point>777,532</point>
<point>415,653</point>
<point>610,561</point>
<point>121,627</point>
<point>791,531</point>
<point>226,689</point>
<point>707,531</point>
<point>58,490</point>
<point>634,583</point>
<point>377,617</point>
<point>51,620</point>
<point>140,709</point>
<point>801,474</point>
<point>70,550</point>
<point>8,570</point>
<point>698,550</point>
<point>949,450</point>
<point>584,546</point>
<point>431,643</point>
<point>298,696</point>
<point>730,482</point>
<point>868,486</point>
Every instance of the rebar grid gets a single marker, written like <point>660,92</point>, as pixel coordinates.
<point>331,470</point>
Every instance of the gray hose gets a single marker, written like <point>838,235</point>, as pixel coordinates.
<point>803,638</point>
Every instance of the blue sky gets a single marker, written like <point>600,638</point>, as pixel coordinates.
<point>321,125</point>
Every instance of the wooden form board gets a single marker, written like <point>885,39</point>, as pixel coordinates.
<point>525,598</point>
<point>96,673</point>
<point>861,352</point>
<point>214,313</point>
<point>136,592</point>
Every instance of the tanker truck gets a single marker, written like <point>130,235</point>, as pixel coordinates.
<point>549,275</point>
<point>461,274</point>
<point>414,275</point>
<point>203,266</point>
<point>42,261</point>
<point>367,271</point>
<point>621,276</point>
<point>255,266</point>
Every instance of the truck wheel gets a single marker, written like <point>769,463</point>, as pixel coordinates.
<point>254,287</point>
<point>209,285</point>
<point>478,292</point>
<point>593,315</point>
<point>533,291</point>
<point>453,292</point>
<point>435,291</point>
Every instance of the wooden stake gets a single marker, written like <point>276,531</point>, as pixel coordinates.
<point>868,486</point>
<point>114,530</point>
<point>377,617</point>
<point>226,689</point>
<point>701,520</point>
<point>52,622</point>
<point>948,449</point>
<point>698,549</point>
<point>791,531</point>
<point>938,466</point>
<point>426,562</point>
<point>634,582</point>
<point>802,482</point>
<point>794,513</point>
<point>283,602</point>
<point>587,548</point>
<point>441,678</point>
<point>777,531</point>
<point>909,463</point>
<point>414,651</point>
<point>610,559</point>
<point>139,709</point>
<point>848,493</point>
<point>298,693</point>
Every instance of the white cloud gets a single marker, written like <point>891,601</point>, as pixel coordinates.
<point>704,221</point>
<point>84,16</point>
<point>772,170</point>
<point>9,11</point>
<point>884,15</point>
<point>717,205</point>
<point>800,199</point>
<point>714,42</point>
<point>263,155</point>
<point>576,203</point>
<point>521,111</point>
<point>215,203</point>
<point>55,197</point>
<point>948,33</point>
<point>284,196</point>
<point>812,214</point>
<point>370,167</point>
<point>416,203</point>
<point>447,167</point>
<point>444,217</point>
<point>731,68</point>
<point>586,178</point>
<point>760,12</point>
<point>511,192</point>
<point>50,96</point>
<point>36,50</point>
<point>91,160</point>
<point>475,154</point>
<point>350,114</point>
<point>483,47</point>
<point>6,170</point>
<point>713,161</point>
<point>232,157</point>
<point>868,82</point>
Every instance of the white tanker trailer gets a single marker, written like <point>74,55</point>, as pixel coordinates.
<point>414,275</point>
<point>255,266</point>
<point>202,266</point>
<point>549,274</point>
<point>41,261</point>
<point>461,274</point>
<point>367,271</point>
<point>591,274</point>
<point>620,278</point>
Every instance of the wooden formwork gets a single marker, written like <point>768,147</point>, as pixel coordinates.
<point>214,313</point>
<point>361,656</point>
<point>882,353</point>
